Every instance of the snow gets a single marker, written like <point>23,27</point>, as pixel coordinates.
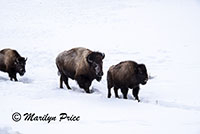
<point>164,35</point>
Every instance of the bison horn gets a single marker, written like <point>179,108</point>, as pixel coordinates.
<point>17,60</point>
<point>26,59</point>
<point>103,55</point>
<point>89,59</point>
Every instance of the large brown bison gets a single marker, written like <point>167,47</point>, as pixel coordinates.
<point>125,75</point>
<point>12,63</point>
<point>80,64</point>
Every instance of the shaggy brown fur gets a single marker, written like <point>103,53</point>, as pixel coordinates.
<point>80,64</point>
<point>12,63</point>
<point>127,74</point>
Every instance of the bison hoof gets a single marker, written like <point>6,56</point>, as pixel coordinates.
<point>87,92</point>
<point>69,88</point>
<point>109,95</point>
<point>13,79</point>
<point>117,97</point>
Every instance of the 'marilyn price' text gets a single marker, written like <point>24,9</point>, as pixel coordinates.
<point>48,118</point>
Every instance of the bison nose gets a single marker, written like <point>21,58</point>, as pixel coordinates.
<point>100,74</point>
<point>22,70</point>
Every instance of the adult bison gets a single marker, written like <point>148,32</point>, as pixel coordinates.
<point>12,63</point>
<point>125,75</point>
<point>80,64</point>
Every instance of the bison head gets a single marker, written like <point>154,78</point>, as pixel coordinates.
<point>95,61</point>
<point>20,65</point>
<point>142,74</point>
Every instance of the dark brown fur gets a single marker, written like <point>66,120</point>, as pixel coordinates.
<point>125,75</point>
<point>12,63</point>
<point>79,64</point>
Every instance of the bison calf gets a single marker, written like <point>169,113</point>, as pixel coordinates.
<point>12,63</point>
<point>125,75</point>
<point>80,64</point>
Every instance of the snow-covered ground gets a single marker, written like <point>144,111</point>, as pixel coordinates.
<point>162,34</point>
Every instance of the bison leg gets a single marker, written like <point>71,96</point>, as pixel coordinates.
<point>13,76</point>
<point>110,84</point>
<point>66,82</point>
<point>116,92</point>
<point>109,90</point>
<point>135,93</point>
<point>84,83</point>
<point>61,81</point>
<point>124,92</point>
<point>65,79</point>
<point>87,86</point>
<point>87,90</point>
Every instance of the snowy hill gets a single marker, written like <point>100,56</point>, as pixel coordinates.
<point>164,35</point>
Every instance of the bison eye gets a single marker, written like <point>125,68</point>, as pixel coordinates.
<point>94,64</point>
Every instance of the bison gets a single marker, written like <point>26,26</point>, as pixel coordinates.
<point>125,75</point>
<point>12,63</point>
<point>80,64</point>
